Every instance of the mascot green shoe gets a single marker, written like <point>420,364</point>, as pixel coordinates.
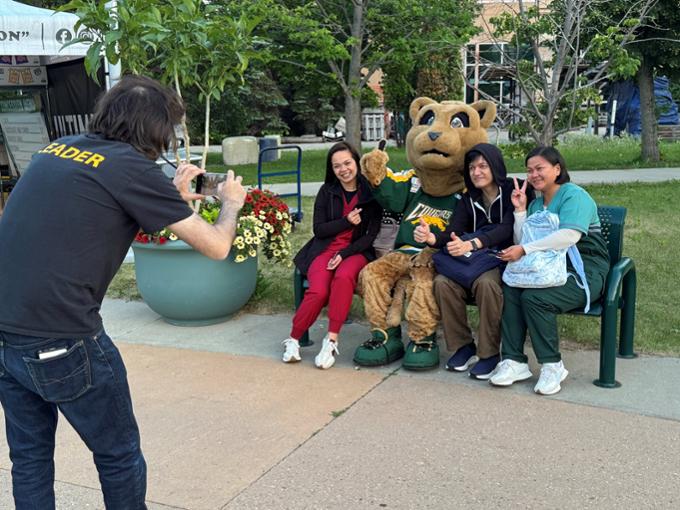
<point>384,347</point>
<point>422,355</point>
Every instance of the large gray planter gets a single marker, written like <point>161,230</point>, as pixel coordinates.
<point>189,289</point>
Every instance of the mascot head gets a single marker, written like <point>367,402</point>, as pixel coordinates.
<point>441,135</point>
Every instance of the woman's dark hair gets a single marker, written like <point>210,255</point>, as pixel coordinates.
<point>139,111</point>
<point>339,147</point>
<point>552,156</point>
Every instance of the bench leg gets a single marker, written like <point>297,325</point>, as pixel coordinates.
<point>628,316</point>
<point>299,290</point>
<point>607,378</point>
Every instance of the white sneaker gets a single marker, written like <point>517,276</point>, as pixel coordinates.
<point>509,371</point>
<point>552,374</point>
<point>326,357</point>
<point>291,354</point>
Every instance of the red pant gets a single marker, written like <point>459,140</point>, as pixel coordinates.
<point>334,288</point>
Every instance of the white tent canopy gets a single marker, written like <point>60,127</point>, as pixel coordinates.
<point>28,30</point>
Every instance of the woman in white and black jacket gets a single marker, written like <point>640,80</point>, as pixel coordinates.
<point>487,211</point>
<point>346,222</point>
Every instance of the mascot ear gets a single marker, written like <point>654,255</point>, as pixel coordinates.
<point>486,110</point>
<point>417,104</point>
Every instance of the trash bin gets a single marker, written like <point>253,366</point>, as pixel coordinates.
<point>269,143</point>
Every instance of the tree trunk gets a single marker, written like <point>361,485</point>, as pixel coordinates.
<point>353,90</point>
<point>650,140</point>
<point>185,129</point>
<point>206,140</point>
<point>547,134</point>
<point>353,121</point>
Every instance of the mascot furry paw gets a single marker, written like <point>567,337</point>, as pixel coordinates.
<point>436,145</point>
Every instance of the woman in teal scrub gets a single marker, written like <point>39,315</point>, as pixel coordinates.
<point>535,310</point>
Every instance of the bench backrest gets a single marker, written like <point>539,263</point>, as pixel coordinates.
<point>612,219</point>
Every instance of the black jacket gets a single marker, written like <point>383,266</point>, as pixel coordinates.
<point>470,215</point>
<point>329,222</point>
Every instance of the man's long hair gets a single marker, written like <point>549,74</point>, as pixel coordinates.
<point>139,111</point>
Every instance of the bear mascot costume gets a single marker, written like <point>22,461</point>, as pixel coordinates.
<point>435,146</point>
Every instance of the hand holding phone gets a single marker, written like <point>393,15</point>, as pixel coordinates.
<point>226,187</point>
<point>184,174</point>
<point>231,190</point>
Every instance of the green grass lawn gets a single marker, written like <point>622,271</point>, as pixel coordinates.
<point>580,152</point>
<point>652,240</point>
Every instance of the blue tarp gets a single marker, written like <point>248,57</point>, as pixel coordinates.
<point>627,98</point>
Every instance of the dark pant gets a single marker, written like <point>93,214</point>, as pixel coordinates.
<point>88,384</point>
<point>536,310</point>
<point>451,298</point>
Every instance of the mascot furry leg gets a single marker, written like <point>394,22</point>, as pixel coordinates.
<point>379,278</point>
<point>393,278</point>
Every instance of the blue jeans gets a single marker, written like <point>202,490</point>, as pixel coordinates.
<point>88,384</point>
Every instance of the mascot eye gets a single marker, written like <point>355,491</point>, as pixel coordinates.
<point>460,120</point>
<point>427,118</point>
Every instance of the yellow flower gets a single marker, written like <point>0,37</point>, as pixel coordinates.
<point>173,237</point>
<point>240,258</point>
<point>252,253</point>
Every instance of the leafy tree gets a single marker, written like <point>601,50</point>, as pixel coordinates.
<point>657,46</point>
<point>558,59</point>
<point>190,43</point>
<point>354,38</point>
<point>438,76</point>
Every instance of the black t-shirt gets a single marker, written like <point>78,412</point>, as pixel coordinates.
<point>67,227</point>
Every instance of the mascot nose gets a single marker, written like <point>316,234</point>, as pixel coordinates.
<point>434,135</point>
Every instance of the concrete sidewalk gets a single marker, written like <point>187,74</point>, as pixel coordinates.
<point>226,425</point>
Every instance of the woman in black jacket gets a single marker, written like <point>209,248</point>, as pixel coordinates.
<point>487,212</point>
<point>346,222</point>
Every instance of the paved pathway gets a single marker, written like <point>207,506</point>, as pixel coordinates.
<point>226,425</point>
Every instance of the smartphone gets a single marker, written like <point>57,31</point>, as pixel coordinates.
<point>206,184</point>
<point>51,353</point>
<point>494,252</point>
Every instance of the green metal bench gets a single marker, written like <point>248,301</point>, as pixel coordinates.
<point>619,294</point>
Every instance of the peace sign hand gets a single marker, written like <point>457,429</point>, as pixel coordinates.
<point>519,196</point>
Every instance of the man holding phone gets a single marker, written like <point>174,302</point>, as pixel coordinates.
<point>63,236</point>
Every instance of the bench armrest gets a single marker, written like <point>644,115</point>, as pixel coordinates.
<point>618,276</point>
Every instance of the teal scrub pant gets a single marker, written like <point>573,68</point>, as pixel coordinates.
<point>535,310</point>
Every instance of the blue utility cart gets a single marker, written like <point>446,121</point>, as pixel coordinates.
<point>295,213</point>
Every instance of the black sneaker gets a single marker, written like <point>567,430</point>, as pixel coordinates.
<point>482,370</point>
<point>463,358</point>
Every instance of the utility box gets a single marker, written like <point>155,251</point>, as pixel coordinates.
<point>240,150</point>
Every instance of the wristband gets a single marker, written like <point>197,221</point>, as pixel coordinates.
<point>474,244</point>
